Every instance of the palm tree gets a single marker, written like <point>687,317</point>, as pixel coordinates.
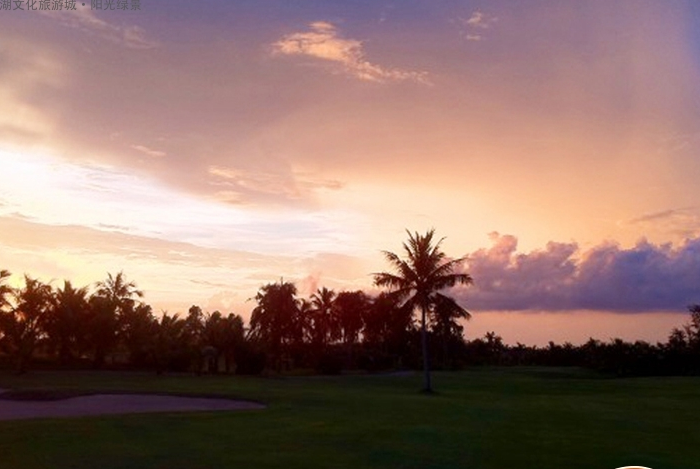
<point>5,290</point>
<point>169,341</point>
<point>103,326</point>
<point>444,323</point>
<point>420,278</point>
<point>304,326</point>
<point>110,306</point>
<point>233,330</point>
<point>194,333</point>
<point>274,322</point>
<point>136,333</point>
<point>67,322</point>
<point>692,329</point>
<point>119,292</point>
<point>23,324</point>
<point>385,322</point>
<point>350,308</point>
<point>324,320</point>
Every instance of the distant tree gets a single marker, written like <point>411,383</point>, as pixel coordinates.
<point>213,340</point>
<point>350,308</point>
<point>169,344</point>
<point>419,279</point>
<point>233,340</point>
<point>389,334</point>
<point>5,293</point>
<point>304,322</point>
<point>375,319</point>
<point>23,322</point>
<point>121,293</point>
<point>194,337</point>
<point>387,322</point>
<point>224,336</point>
<point>274,321</point>
<point>677,340</point>
<point>5,290</point>
<point>495,341</point>
<point>444,321</point>
<point>136,328</point>
<point>67,322</point>
<point>692,329</point>
<point>324,323</point>
<point>112,307</point>
<point>103,327</point>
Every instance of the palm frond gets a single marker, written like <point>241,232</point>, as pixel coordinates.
<point>385,279</point>
<point>449,306</point>
<point>425,270</point>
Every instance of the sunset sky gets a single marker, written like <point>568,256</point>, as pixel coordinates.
<point>209,147</point>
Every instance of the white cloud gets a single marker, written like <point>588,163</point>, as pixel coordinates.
<point>293,185</point>
<point>480,20</point>
<point>85,19</point>
<point>149,151</point>
<point>683,222</point>
<point>474,26</point>
<point>55,192</point>
<point>323,42</point>
<point>264,182</point>
<point>135,38</point>
<point>27,69</point>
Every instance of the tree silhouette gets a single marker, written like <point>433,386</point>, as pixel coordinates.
<point>136,326</point>
<point>692,329</point>
<point>305,321</point>
<point>119,292</point>
<point>169,345</point>
<point>324,321</point>
<point>419,279</point>
<point>444,323</point>
<point>5,290</point>
<point>274,322</point>
<point>115,317</point>
<point>23,323</point>
<point>223,335</point>
<point>66,323</point>
<point>103,325</point>
<point>194,335</point>
<point>233,340</point>
<point>350,308</point>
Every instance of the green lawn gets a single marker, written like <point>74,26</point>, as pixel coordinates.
<point>483,418</point>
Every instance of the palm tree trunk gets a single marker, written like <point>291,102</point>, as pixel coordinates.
<point>446,350</point>
<point>426,365</point>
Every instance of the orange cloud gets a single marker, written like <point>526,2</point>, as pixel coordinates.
<point>324,42</point>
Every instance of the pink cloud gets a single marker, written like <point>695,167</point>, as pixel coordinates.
<point>646,277</point>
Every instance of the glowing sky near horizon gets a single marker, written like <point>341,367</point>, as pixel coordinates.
<point>207,148</point>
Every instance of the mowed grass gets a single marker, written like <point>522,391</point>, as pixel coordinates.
<point>481,418</point>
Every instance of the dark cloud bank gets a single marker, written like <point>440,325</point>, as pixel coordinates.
<point>646,277</point>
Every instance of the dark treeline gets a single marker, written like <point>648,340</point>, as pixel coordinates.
<point>679,355</point>
<point>109,326</point>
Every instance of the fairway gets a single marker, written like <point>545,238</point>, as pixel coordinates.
<point>483,418</point>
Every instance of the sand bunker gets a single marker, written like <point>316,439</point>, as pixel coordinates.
<point>103,404</point>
